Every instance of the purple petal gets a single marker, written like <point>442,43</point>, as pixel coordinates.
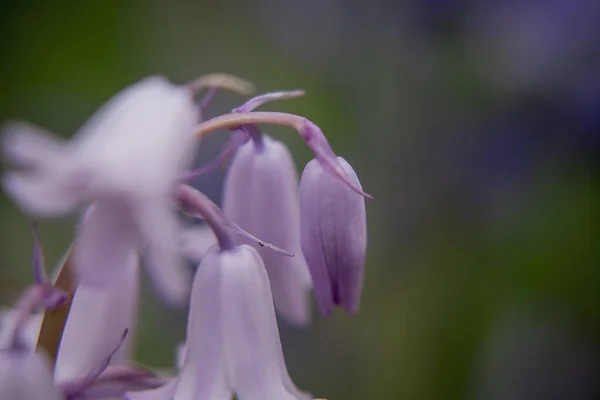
<point>261,197</point>
<point>98,317</point>
<point>333,234</point>
<point>259,100</point>
<point>317,142</point>
<point>253,349</point>
<point>203,372</point>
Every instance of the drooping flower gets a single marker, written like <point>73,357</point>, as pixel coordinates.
<point>125,160</point>
<point>261,196</point>
<point>333,234</point>
<point>233,344</point>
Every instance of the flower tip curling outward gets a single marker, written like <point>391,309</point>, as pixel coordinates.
<point>333,235</point>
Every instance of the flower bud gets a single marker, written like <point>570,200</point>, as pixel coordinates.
<point>333,234</point>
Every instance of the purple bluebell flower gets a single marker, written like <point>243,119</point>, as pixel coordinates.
<point>333,234</point>
<point>126,160</point>
<point>261,196</point>
<point>233,344</point>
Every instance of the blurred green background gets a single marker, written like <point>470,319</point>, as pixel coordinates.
<point>474,123</point>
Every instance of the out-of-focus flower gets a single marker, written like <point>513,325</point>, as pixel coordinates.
<point>526,45</point>
<point>233,342</point>
<point>25,375</point>
<point>98,317</point>
<point>125,160</point>
<point>333,234</point>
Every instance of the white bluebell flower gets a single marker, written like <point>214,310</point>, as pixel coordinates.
<point>125,160</point>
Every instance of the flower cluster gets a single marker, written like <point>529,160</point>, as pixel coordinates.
<point>127,173</point>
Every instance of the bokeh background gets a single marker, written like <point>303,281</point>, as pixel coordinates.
<point>474,123</point>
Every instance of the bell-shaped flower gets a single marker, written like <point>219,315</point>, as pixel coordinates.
<point>126,160</point>
<point>333,234</point>
<point>261,197</point>
<point>233,344</point>
<point>97,319</point>
<point>25,375</point>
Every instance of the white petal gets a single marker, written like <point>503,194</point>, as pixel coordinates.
<point>253,349</point>
<point>8,318</point>
<point>43,194</point>
<point>140,139</point>
<point>25,375</point>
<point>261,197</point>
<point>195,242</point>
<point>105,242</point>
<point>159,229</point>
<point>334,235</point>
<point>98,317</point>
<point>27,145</point>
<point>203,373</point>
<point>52,185</point>
<point>237,183</point>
